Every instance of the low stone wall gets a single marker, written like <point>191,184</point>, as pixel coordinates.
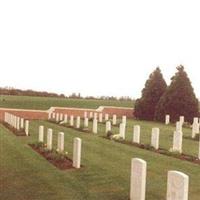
<point>26,114</point>
<point>43,114</point>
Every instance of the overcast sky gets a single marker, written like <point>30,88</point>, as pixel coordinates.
<point>95,47</point>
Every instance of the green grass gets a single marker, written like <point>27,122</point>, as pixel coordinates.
<point>106,172</point>
<point>45,103</point>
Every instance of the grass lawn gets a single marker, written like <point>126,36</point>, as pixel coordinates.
<point>44,103</point>
<point>106,172</point>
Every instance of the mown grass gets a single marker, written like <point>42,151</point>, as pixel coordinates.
<point>44,103</point>
<point>106,172</point>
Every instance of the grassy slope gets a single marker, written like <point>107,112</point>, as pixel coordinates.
<point>46,102</point>
<point>26,175</point>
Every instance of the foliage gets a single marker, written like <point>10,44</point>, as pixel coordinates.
<point>154,88</point>
<point>179,99</point>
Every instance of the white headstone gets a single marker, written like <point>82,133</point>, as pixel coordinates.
<point>181,119</point>
<point>195,129</point>
<point>177,141</point>
<point>49,138</point>
<point>60,142</point>
<point>95,115</point>
<point>78,122</point>
<point>114,121</point>
<point>27,127</point>
<point>71,122</point>
<point>22,123</point>
<point>18,123</point>
<point>195,120</point>
<point>108,126</point>
<point>61,117</point>
<point>124,119</point>
<point>94,127</point>
<point>167,119</point>
<point>41,133</point>
<point>77,153</point>
<point>106,117</point>
<point>177,186</point>
<point>85,114</point>
<point>155,138</point>
<point>138,179</point>
<point>100,117</point>
<point>65,118</point>
<point>136,134</point>
<point>122,130</point>
<point>91,115</point>
<point>86,122</point>
<point>179,126</point>
<point>53,115</point>
<point>57,117</point>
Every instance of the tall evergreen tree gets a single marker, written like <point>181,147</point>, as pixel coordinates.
<point>179,99</point>
<point>154,88</point>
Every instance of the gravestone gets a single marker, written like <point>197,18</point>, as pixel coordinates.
<point>100,117</point>
<point>61,117</point>
<point>195,129</point>
<point>122,130</point>
<point>71,122</point>
<point>60,142</point>
<point>27,127</point>
<point>114,121</point>
<point>78,122</point>
<point>18,123</point>
<point>136,134</point>
<point>22,123</point>
<point>155,138</point>
<point>77,153</point>
<point>49,138</point>
<point>177,186</point>
<point>91,115</point>
<point>57,117</point>
<point>94,127</point>
<point>167,119</point>
<point>106,117</point>
<point>108,126</point>
<point>85,122</point>
<point>124,119</point>
<point>138,179</point>
<point>179,126</point>
<point>41,133</point>
<point>181,119</point>
<point>85,115</point>
<point>177,141</point>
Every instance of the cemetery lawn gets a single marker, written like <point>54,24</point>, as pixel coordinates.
<point>106,172</point>
<point>44,103</point>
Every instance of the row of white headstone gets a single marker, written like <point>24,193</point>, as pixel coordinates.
<point>17,122</point>
<point>63,118</point>
<point>177,138</point>
<point>60,144</point>
<point>177,182</point>
<point>195,124</point>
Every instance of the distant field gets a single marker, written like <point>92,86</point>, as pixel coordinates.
<point>44,103</point>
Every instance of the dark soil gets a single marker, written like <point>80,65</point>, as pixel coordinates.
<point>161,151</point>
<point>64,164</point>
<point>16,132</point>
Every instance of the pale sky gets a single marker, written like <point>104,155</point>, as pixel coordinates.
<point>95,47</point>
